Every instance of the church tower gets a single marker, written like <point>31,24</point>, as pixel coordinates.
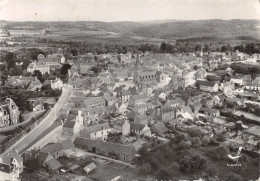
<point>137,70</point>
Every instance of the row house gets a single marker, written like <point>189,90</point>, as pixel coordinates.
<point>99,131</point>
<point>140,129</point>
<point>176,102</point>
<point>142,108</point>
<point>95,102</point>
<point>208,86</point>
<point>138,99</point>
<point>253,87</point>
<point>168,113</point>
<point>116,151</point>
<point>42,67</point>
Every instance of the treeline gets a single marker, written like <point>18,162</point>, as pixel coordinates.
<point>181,47</point>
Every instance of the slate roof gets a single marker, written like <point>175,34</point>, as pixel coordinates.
<point>66,144</point>
<point>52,148</point>
<point>53,164</point>
<point>106,146</point>
<point>136,126</point>
<point>95,128</point>
<point>90,167</point>
<point>69,123</point>
<point>7,159</point>
<point>206,83</point>
<point>159,128</point>
<point>5,168</point>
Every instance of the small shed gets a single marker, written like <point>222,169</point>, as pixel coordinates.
<point>90,167</point>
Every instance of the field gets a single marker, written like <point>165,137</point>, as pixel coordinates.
<point>89,36</point>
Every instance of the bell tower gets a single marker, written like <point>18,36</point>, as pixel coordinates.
<point>137,70</point>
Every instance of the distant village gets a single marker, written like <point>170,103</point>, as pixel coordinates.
<point>136,99</point>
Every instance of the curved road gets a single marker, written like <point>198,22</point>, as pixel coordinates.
<point>42,126</point>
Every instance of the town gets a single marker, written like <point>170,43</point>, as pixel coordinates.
<point>143,112</point>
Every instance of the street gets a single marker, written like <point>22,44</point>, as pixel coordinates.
<point>43,125</point>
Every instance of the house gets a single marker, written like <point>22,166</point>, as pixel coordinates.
<point>140,129</point>
<point>254,86</point>
<point>42,67</point>
<point>53,164</point>
<point>208,102</point>
<point>160,94</point>
<point>142,108</point>
<point>99,131</point>
<point>64,112</point>
<point>208,86</point>
<point>138,99</point>
<point>185,116</point>
<point>237,80</point>
<point>71,127</point>
<point>125,95</point>
<point>9,113</point>
<point>116,151</point>
<point>213,78</point>
<point>57,84</point>
<point>40,103</point>
<point>95,102</point>
<point>210,112</point>
<point>195,106</point>
<point>90,168</point>
<point>57,149</point>
<point>168,113</point>
<point>227,88</point>
<point>141,119</point>
<point>121,107</point>
<point>200,73</point>
<point>35,85</point>
<point>11,166</point>
<point>122,125</point>
<point>159,129</point>
<point>175,102</point>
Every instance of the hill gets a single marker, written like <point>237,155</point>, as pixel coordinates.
<point>193,30</point>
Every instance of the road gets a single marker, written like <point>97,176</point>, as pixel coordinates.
<point>42,126</point>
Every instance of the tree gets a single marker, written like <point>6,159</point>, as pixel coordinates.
<point>220,137</point>
<point>195,141</point>
<point>164,174</point>
<point>143,150</point>
<point>196,132</point>
<point>39,75</point>
<point>180,137</point>
<point>211,171</point>
<point>234,177</point>
<point>222,151</point>
<point>205,141</point>
<point>163,47</point>
<point>65,69</point>
<point>146,169</point>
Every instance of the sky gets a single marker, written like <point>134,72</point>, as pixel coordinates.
<point>127,10</point>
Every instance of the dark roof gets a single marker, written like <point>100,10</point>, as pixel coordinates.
<point>66,144</point>
<point>5,168</point>
<point>106,146</point>
<point>8,158</point>
<point>206,83</point>
<point>159,128</point>
<point>52,148</point>
<point>136,126</point>
<point>69,123</point>
<point>53,164</point>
